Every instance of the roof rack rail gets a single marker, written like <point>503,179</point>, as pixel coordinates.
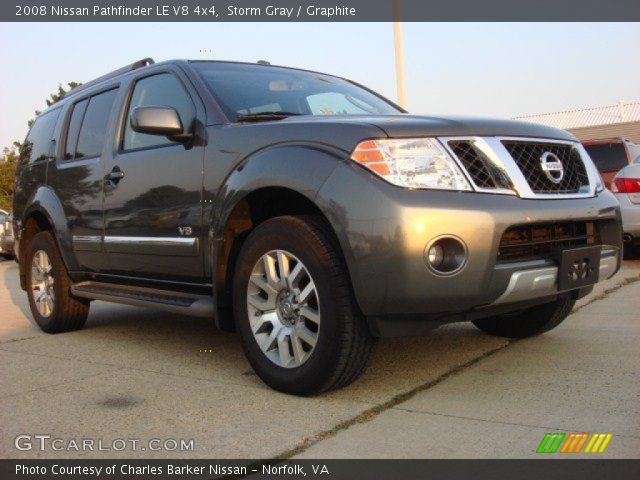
<point>128,68</point>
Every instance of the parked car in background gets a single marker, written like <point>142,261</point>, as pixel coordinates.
<point>6,235</point>
<point>610,155</point>
<point>626,187</point>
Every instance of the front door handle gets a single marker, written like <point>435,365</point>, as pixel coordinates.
<point>115,175</point>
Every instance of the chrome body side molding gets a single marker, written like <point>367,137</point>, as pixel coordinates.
<point>169,246</point>
<point>87,243</point>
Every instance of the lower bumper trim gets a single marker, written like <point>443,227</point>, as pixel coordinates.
<point>527,284</point>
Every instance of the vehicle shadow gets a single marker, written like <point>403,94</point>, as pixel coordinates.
<point>193,347</point>
<point>166,343</point>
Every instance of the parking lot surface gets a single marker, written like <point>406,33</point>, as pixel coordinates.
<point>139,374</point>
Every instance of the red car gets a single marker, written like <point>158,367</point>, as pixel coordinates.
<point>611,155</point>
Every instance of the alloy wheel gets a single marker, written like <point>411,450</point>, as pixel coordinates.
<point>284,308</point>
<point>42,283</point>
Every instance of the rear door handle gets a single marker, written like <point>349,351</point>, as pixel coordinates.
<point>115,175</point>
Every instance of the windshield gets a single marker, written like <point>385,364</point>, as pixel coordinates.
<point>245,89</point>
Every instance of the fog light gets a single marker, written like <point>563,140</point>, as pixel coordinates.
<point>446,255</point>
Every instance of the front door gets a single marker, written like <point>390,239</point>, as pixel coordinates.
<point>153,191</point>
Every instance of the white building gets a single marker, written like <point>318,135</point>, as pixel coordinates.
<point>612,121</point>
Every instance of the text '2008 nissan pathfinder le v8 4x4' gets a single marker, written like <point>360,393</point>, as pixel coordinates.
<point>305,211</point>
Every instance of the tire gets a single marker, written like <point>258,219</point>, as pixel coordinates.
<point>343,345</point>
<point>6,256</point>
<point>528,323</point>
<point>63,312</point>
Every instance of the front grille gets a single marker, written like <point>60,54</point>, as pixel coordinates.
<point>481,170</point>
<point>527,156</point>
<point>526,242</point>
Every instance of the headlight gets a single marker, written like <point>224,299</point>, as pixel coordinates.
<point>411,163</point>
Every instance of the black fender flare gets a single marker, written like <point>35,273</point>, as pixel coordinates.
<point>44,201</point>
<point>302,168</point>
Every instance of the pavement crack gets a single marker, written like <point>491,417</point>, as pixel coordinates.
<point>12,340</point>
<point>371,413</point>
<point>500,422</point>
<point>623,283</point>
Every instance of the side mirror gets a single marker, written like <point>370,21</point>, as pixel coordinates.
<point>159,121</point>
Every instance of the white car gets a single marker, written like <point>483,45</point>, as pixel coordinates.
<point>626,187</point>
<point>6,235</point>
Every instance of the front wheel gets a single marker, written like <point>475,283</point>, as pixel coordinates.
<point>529,322</point>
<point>294,309</point>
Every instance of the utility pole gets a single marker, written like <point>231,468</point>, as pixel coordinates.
<point>399,48</point>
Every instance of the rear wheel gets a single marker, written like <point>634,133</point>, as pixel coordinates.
<point>527,323</point>
<point>294,310</point>
<point>48,287</point>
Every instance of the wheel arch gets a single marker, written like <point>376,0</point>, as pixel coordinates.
<point>44,212</point>
<point>280,181</point>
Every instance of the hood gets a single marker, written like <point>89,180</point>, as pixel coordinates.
<point>399,126</point>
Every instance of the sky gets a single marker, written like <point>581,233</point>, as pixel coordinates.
<point>479,69</point>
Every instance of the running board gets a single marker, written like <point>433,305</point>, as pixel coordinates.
<point>176,302</point>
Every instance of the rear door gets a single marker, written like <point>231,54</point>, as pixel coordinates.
<point>153,214</point>
<point>78,176</point>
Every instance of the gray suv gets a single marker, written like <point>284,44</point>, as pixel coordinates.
<point>304,211</point>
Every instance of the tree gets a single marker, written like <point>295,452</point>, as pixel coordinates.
<point>53,98</point>
<point>8,162</point>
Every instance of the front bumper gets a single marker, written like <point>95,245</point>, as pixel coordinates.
<point>383,231</point>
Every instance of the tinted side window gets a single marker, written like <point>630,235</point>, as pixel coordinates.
<point>158,90</point>
<point>607,156</point>
<point>37,145</point>
<point>94,125</point>
<point>74,128</point>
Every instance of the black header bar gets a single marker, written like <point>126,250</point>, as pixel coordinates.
<point>547,469</point>
<point>320,10</point>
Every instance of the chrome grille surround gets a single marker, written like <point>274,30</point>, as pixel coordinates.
<point>493,150</point>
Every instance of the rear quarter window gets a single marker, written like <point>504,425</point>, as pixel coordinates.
<point>74,128</point>
<point>37,145</point>
<point>608,156</point>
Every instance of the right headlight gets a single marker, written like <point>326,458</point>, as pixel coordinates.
<point>411,163</point>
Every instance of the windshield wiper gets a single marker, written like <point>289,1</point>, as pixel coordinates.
<point>265,116</point>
